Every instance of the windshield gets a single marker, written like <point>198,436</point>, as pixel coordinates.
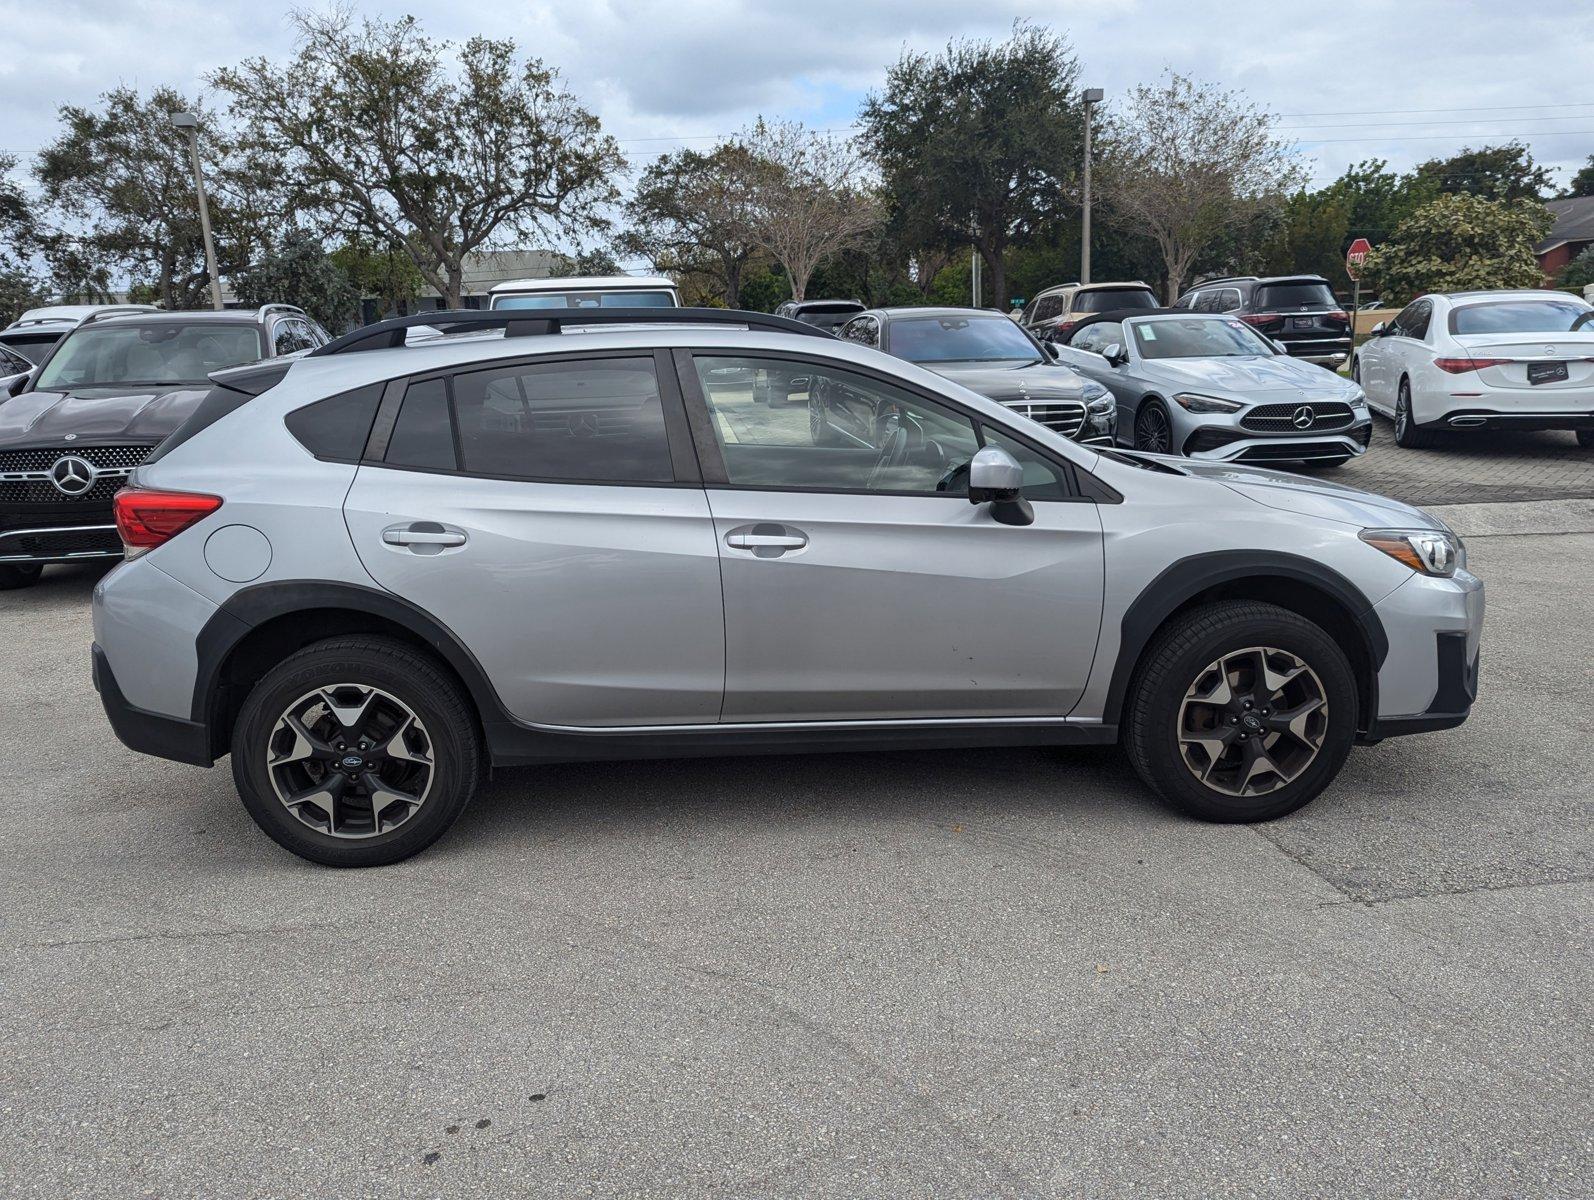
<point>1294,295</point>
<point>587,300</point>
<point>1198,337</point>
<point>1099,300</point>
<point>961,339</point>
<point>1518,316</point>
<point>165,353</point>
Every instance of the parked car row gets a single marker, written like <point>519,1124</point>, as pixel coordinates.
<point>102,396</point>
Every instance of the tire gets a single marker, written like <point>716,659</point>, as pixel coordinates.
<point>1161,705</point>
<point>444,736</point>
<point>19,575</point>
<point>1356,371</point>
<point>1585,438</point>
<point>1408,434</point>
<point>1151,424</point>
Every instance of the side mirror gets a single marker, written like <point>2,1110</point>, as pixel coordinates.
<point>1114,354</point>
<point>14,388</point>
<point>1278,346</point>
<point>1378,330</point>
<point>1052,352</point>
<point>995,478</point>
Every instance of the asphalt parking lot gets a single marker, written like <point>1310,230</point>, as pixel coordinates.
<point>950,974</point>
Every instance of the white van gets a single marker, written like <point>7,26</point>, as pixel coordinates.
<point>587,291</point>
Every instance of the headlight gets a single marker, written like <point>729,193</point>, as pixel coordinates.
<point>1426,551</point>
<point>1196,403</point>
<point>1097,397</point>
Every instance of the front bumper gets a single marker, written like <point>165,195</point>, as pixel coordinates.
<point>1238,445</point>
<point>59,543</point>
<point>1430,678</point>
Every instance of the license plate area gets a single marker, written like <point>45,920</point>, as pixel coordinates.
<point>1546,372</point>
<point>1303,322</point>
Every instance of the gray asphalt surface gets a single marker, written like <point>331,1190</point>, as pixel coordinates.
<point>954,974</point>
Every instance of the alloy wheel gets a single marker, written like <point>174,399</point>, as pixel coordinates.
<point>1402,411</point>
<point>1153,434</point>
<point>1252,721</point>
<point>350,761</point>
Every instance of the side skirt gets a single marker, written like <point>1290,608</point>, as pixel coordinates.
<point>511,745</point>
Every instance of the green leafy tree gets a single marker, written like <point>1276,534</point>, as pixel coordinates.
<point>697,210</point>
<point>380,273</point>
<point>122,190</point>
<point>979,144</point>
<point>1310,235</point>
<point>1460,243</point>
<point>585,262</point>
<point>301,272</point>
<point>1189,164</point>
<point>1493,172</point>
<point>438,148</point>
<point>1578,273</point>
<point>1583,182</point>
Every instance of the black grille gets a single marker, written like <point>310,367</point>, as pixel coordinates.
<point>42,491</point>
<point>60,543</point>
<point>1296,452</point>
<point>113,457</point>
<point>1211,437</point>
<point>1066,417</point>
<point>1281,418</point>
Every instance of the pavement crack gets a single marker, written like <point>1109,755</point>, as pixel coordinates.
<point>180,936</point>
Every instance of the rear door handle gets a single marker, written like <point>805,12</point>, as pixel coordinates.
<point>766,540</point>
<point>423,537</point>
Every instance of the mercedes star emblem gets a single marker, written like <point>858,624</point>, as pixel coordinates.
<point>1303,417</point>
<point>72,476</point>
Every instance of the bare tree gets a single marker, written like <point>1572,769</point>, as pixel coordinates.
<point>440,149</point>
<point>811,199</point>
<point>1187,163</point>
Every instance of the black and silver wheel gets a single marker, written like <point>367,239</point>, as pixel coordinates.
<point>1408,433</point>
<point>356,752</point>
<point>1153,430</point>
<point>19,575</point>
<point>1241,711</point>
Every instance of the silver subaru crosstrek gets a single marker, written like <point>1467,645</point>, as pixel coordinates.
<point>375,573</point>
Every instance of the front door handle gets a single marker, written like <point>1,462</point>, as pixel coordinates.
<point>423,537</point>
<point>766,540</point>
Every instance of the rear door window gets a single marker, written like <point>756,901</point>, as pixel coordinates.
<point>594,421</point>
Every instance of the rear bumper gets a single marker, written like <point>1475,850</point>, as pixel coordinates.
<point>145,731</point>
<point>1487,419</point>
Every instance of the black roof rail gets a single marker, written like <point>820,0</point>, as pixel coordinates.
<point>534,322</point>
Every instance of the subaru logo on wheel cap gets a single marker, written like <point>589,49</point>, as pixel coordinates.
<point>1302,419</point>
<point>72,476</point>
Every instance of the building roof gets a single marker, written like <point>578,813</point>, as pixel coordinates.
<point>1574,222</point>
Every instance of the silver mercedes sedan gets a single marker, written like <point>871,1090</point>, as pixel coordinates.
<point>1207,385</point>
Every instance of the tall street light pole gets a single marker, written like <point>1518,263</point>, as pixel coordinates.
<point>1093,97</point>
<point>189,124</point>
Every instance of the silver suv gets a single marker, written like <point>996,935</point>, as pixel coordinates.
<point>375,573</point>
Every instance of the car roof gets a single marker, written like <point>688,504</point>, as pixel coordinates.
<point>230,316</point>
<point>1508,294</point>
<point>71,314</point>
<point>582,282</point>
<point>909,310</point>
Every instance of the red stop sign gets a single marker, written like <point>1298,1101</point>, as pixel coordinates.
<point>1356,256</point>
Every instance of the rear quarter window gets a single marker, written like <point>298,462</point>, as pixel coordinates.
<point>336,429</point>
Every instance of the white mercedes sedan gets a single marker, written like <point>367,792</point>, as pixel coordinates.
<point>1482,360</point>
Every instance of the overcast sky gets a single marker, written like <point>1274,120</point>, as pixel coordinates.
<point>1349,80</point>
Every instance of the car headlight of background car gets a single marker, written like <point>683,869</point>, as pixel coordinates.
<point>1426,551</point>
<point>1101,409</point>
<point>1197,403</point>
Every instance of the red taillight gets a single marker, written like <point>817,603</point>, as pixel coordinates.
<point>1460,366</point>
<point>146,518</point>
<point>1259,318</point>
<point>1338,315</point>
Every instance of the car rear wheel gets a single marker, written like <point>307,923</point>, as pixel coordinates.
<point>356,752</point>
<point>19,575</point>
<point>1585,438</point>
<point>1153,430</point>
<point>1241,711</point>
<point>1408,434</point>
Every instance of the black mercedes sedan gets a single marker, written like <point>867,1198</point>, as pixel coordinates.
<point>988,353</point>
<point>102,399</point>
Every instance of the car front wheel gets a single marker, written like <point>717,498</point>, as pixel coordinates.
<point>1585,438</point>
<point>1240,711</point>
<point>19,575</point>
<point>356,752</point>
<point>1153,430</point>
<point>1408,434</point>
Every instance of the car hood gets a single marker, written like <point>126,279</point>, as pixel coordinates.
<point>1303,495</point>
<point>95,415</point>
<point>1014,381</point>
<point>1277,377</point>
